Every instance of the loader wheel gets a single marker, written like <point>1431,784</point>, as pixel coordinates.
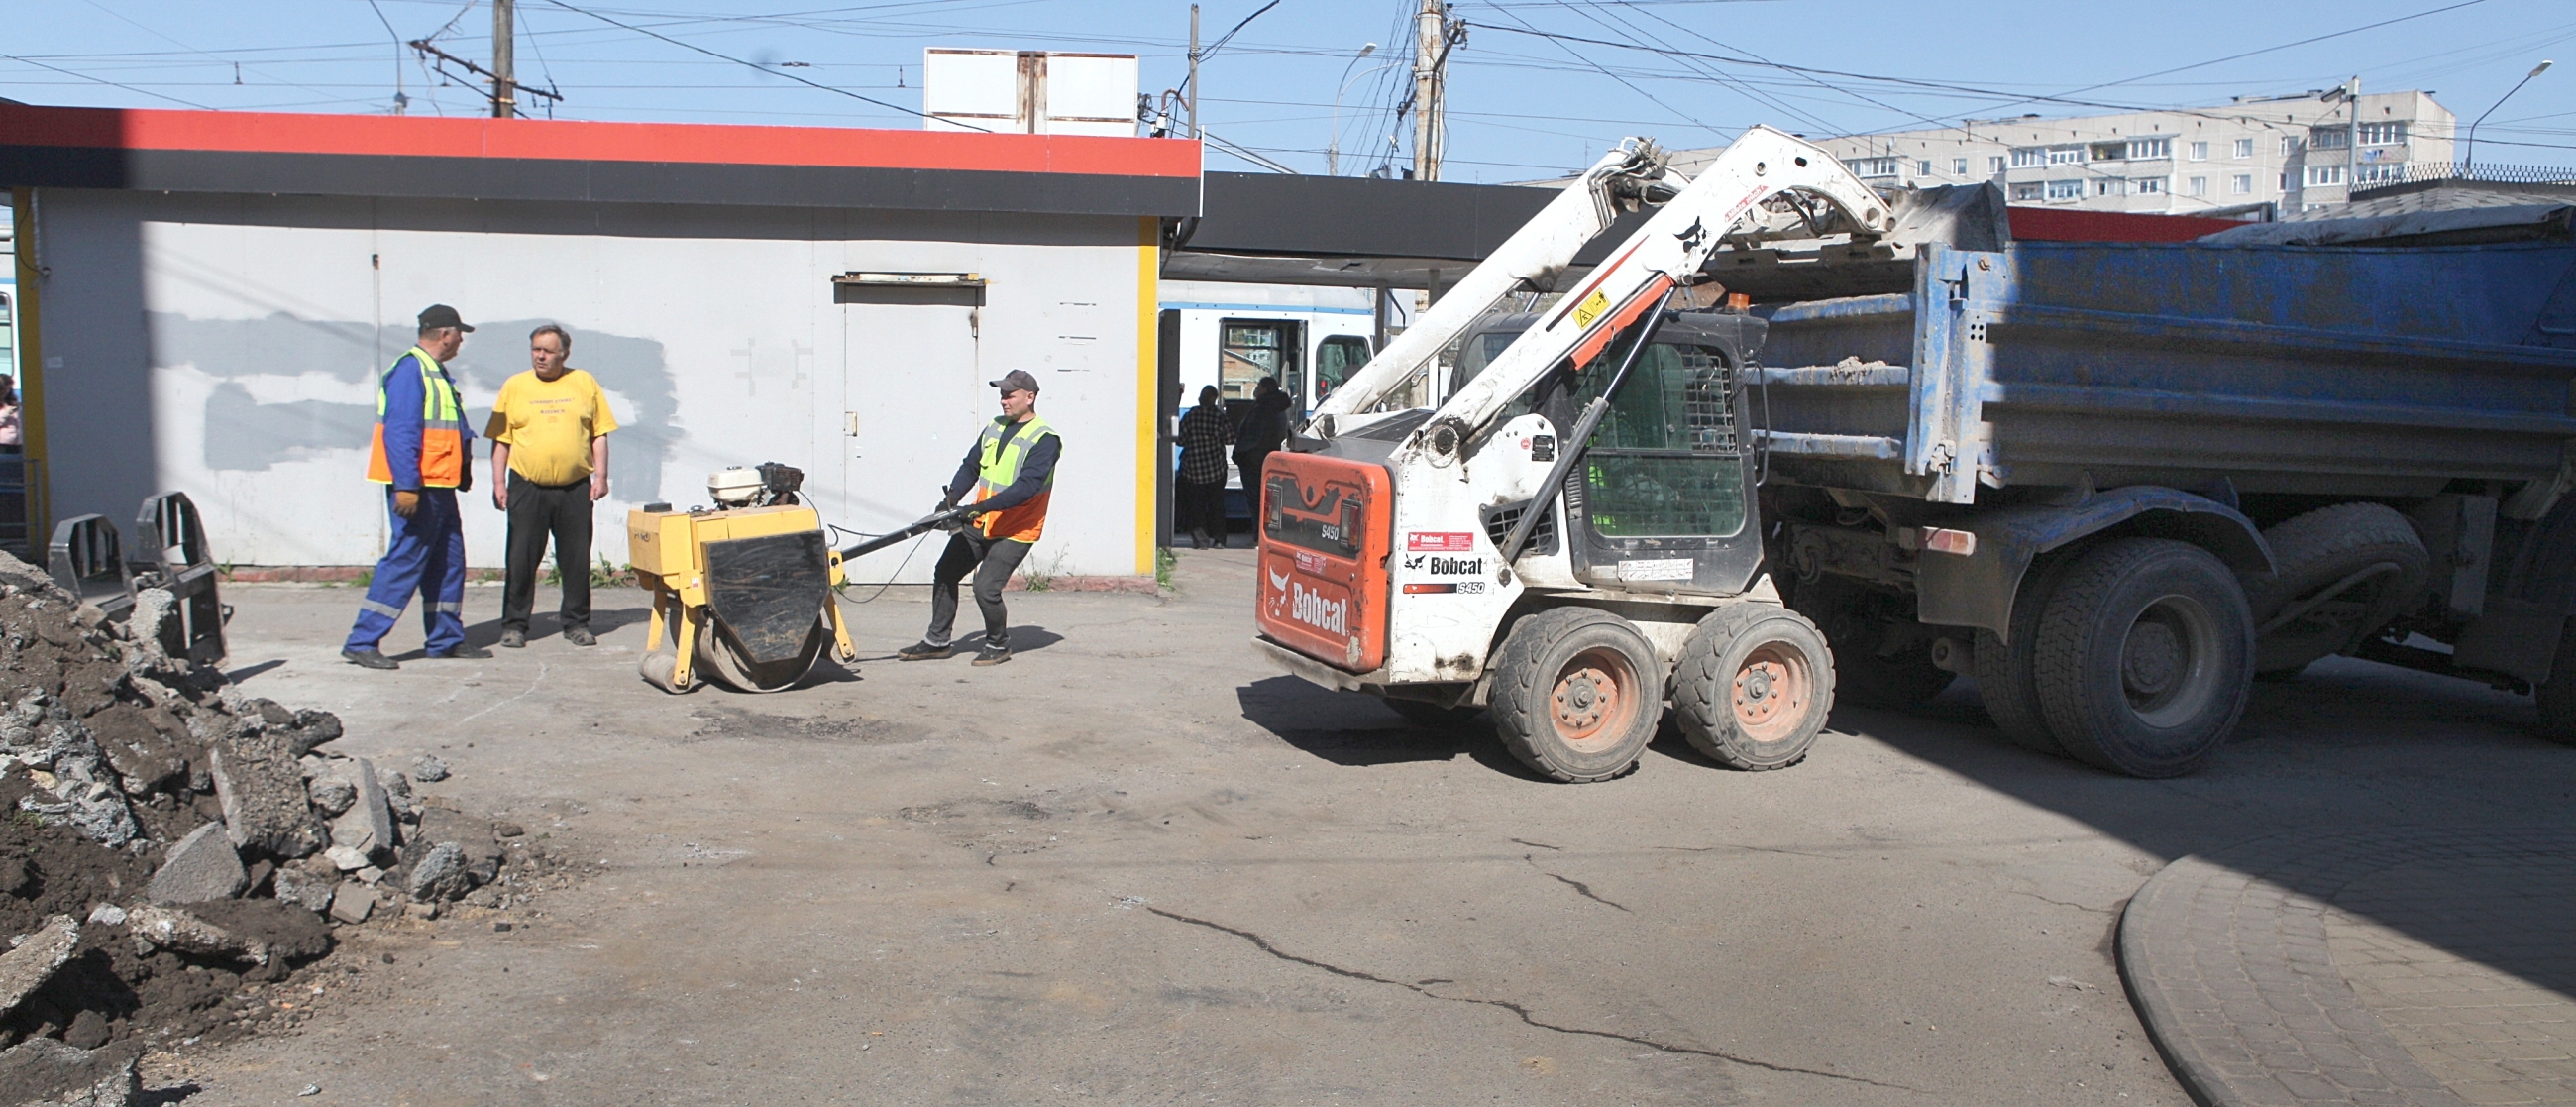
<point>1577,693</point>
<point>1754,686</point>
<point>2145,657</point>
<point>2556,697</point>
<point>2314,553</point>
<point>2007,674</point>
<point>1855,621</point>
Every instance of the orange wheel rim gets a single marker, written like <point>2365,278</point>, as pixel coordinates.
<point>1595,694</point>
<point>1772,689</point>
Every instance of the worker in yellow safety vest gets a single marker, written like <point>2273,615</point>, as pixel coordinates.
<point>1008,477</point>
<point>423,454</point>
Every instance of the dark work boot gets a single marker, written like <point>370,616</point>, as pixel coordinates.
<point>924,651</point>
<point>369,659</point>
<point>992,655</point>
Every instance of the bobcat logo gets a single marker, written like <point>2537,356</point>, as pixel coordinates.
<point>1692,237</point>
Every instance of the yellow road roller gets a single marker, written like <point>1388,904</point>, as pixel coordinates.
<point>742,592</point>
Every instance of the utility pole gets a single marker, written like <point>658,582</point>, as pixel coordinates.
<point>1193,81</point>
<point>505,84</point>
<point>1426,91</point>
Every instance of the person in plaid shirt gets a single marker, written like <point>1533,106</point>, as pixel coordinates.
<point>1203,437</point>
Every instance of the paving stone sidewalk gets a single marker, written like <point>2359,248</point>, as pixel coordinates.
<point>2422,966</point>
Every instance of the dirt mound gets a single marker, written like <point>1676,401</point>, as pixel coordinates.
<point>111,753</point>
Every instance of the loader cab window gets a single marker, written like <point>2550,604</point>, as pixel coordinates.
<point>1477,352</point>
<point>1250,349</point>
<point>1335,360</point>
<point>1668,458</point>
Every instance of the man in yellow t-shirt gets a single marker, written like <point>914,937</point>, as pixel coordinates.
<point>549,433</point>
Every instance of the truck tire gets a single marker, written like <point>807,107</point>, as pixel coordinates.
<point>2145,657</point>
<point>1576,694</point>
<point>1854,622</point>
<point>1753,687</point>
<point>2007,678</point>
<point>2318,550</point>
<point>2556,696</point>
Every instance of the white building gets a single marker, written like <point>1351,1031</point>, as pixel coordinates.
<point>223,287</point>
<point>2294,151</point>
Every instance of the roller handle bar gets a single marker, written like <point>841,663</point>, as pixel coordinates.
<point>926,523</point>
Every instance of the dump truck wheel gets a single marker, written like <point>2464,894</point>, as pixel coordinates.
<point>2145,657</point>
<point>2319,550</point>
<point>1577,693</point>
<point>1432,716</point>
<point>724,661</point>
<point>2556,697</point>
<point>1854,621</point>
<point>2007,676</point>
<point>1754,686</point>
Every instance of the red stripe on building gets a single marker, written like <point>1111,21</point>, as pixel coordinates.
<point>2078,225</point>
<point>555,140</point>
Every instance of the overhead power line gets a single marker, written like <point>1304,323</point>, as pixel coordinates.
<point>105,81</point>
<point>762,68</point>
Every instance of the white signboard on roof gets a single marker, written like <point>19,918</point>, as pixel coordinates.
<point>1028,92</point>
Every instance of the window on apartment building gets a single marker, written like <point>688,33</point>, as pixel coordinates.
<point>2325,175</point>
<point>2109,151</point>
<point>2028,190</point>
<point>2244,148</point>
<point>2140,148</point>
<point>2065,190</point>
<point>2384,134</point>
<point>2065,155</point>
<point>1995,164</point>
<point>1958,167</point>
<point>2289,145</point>
<point>2028,156</point>
<point>1875,167</point>
<point>2147,186</point>
<point>2199,151</point>
<point>2110,186</point>
<point>2197,186</point>
<point>2386,172</point>
<point>2329,138</point>
<point>2285,180</point>
<point>1923,169</point>
<point>2241,184</point>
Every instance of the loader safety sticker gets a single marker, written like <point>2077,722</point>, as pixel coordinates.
<point>1310,563</point>
<point>1592,307</point>
<point>1439,541</point>
<point>1662,568</point>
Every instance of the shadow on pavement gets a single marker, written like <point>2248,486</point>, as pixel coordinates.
<point>1356,730</point>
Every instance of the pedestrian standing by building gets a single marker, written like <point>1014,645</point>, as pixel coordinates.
<point>549,432</point>
<point>1203,437</point>
<point>423,455</point>
<point>9,431</point>
<point>1264,429</point>
<point>1007,477</point>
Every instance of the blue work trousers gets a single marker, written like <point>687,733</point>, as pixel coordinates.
<point>427,555</point>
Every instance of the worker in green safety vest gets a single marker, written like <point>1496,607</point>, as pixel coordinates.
<point>1008,478</point>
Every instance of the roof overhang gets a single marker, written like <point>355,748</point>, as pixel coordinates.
<point>530,159</point>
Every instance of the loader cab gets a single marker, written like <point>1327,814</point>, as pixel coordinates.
<point>1664,498</point>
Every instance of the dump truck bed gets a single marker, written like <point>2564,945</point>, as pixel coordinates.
<point>2350,372</point>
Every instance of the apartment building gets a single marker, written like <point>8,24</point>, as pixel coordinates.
<point>2299,152</point>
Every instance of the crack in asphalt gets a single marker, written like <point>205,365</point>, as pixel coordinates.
<point>1585,890</point>
<point>2084,907</point>
<point>1265,946</point>
<point>1538,845</point>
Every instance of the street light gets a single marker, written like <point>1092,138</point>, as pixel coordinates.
<point>2468,158</point>
<point>1333,144</point>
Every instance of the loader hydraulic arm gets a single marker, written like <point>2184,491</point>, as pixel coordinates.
<point>1668,251</point>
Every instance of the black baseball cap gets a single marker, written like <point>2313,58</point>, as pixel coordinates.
<point>1017,380</point>
<point>441,315</point>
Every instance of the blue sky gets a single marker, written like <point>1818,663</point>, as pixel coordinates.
<point>1539,87</point>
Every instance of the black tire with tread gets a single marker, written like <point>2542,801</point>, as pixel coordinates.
<point>2315,550</point>
<point>2007,680</point>
<point>1704,682</point>
<point>2079,664</point>
<point>1525,673</point>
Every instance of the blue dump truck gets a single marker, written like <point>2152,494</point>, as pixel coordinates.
<point>2117,483</point>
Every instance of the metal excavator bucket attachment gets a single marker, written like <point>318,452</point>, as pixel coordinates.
<point>87,558</point>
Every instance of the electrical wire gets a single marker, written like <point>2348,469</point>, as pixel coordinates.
<point>109,83</point>
<point>765,69</point>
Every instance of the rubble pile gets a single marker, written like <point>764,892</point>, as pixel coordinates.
<point>168,843</point>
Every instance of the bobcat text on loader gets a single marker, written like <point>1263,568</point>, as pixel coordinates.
<point>1419,556</point>
<point>743,592</point>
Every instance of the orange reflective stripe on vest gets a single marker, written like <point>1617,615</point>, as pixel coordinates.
<point>442,427</point>
<point>1004,447</point>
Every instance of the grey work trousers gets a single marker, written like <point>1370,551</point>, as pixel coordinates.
<point>990,561</point>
